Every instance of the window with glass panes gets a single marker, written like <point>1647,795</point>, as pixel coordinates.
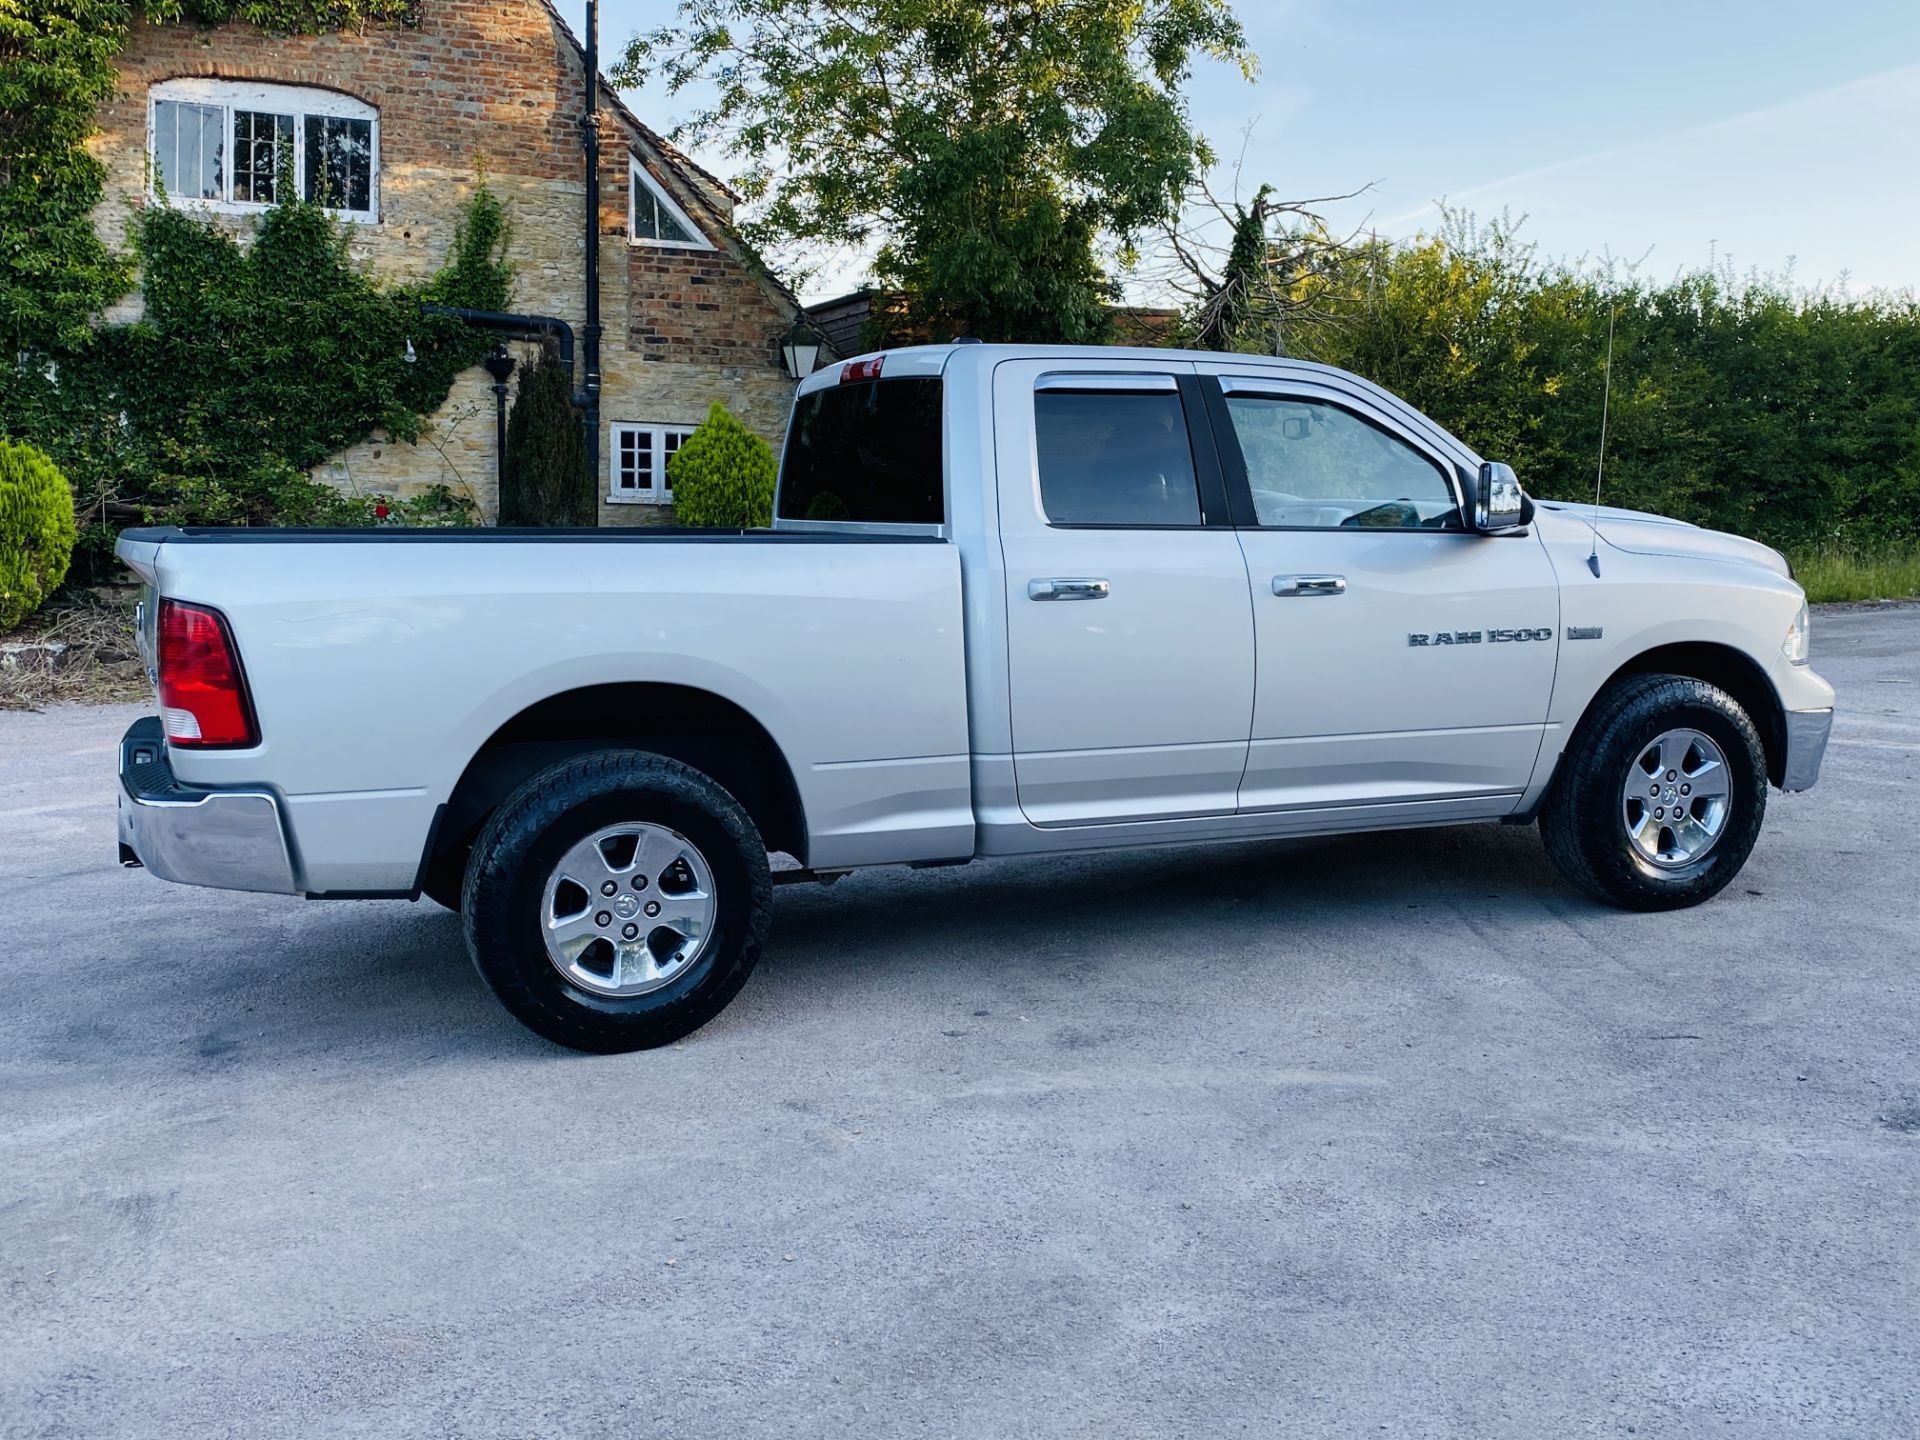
<point>637,462</point>
<point>240,145</point>
<point>653,218</point>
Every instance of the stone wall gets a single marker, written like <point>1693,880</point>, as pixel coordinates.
<point>496,88</point>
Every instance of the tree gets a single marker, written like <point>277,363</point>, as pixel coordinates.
<point>547,481</point>
<point>1001,153</point>
<point>1277,270</point>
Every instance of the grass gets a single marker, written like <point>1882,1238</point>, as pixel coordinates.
<point>1836,571</point>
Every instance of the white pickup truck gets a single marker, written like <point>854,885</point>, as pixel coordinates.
<point>1016,600</point>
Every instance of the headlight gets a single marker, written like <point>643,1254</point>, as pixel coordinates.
<point>1794,647</point>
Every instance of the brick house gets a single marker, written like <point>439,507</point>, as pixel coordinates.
<point>394,124</point>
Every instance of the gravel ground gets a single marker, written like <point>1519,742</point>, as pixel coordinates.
<point>1381,1135</point>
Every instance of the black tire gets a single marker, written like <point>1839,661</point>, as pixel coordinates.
<point>523,843</point>
<point>1582,821</point>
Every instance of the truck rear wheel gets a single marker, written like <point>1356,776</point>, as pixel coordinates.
<point>1660,796</point>
<point>617,901</point>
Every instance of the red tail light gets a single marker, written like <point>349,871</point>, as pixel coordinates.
<point>203,696</point>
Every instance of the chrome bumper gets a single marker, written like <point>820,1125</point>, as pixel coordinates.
<point>222,839</point>
<point>1807,732</point>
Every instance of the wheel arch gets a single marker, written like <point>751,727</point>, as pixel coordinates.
<point>1729,668</point>
<point>697,727</point>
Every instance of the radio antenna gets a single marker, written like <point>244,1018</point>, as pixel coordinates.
<point>1600,474</point>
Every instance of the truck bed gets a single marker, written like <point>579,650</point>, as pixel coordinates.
<point>414,647</point>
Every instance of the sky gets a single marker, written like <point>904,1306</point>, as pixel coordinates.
<point>1768,135</point>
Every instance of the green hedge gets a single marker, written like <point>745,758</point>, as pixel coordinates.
<point>1739,402</point>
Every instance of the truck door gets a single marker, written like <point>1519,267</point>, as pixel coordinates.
<point>1129,632</point>
<point>1403,660</point>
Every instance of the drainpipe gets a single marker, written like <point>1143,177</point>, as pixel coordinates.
<point>523,327</point>
<point>590,332</point>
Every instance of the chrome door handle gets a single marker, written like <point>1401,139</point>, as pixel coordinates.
<point>1068,589</point>
<point>1305,585</point>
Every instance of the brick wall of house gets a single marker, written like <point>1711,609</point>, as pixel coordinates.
<point>697,306</point>
<point>494,87</point>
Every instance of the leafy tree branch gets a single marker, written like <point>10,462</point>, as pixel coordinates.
<point>1001,156</point>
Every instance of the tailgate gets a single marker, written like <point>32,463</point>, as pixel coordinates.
<point>139,551</point>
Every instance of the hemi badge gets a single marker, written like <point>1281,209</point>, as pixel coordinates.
<point>1585,632</point>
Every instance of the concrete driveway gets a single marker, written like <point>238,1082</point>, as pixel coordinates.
<point>1382,1135</point>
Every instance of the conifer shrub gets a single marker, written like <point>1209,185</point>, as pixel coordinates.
<point>36,531</point>
<point>723,475</point>
<point>547,481</point>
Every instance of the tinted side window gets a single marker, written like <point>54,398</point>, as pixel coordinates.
<point>869,451</point>
<point>1316,465</point>
<point>1115,458</point>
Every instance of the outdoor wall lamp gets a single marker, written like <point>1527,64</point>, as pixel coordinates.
<point>800,350</point>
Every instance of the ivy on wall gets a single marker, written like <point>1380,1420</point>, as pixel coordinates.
<point>253,362</point>
<point>56,69</point>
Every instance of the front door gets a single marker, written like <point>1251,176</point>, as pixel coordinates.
<point>1402,659</point>
<point>1129,634</point>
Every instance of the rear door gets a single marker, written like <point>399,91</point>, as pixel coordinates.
<point>1402,659</point>
<point>1129,633</point>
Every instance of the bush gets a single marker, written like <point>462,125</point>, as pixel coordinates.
<point>36,531</point>
<point>723,475</point>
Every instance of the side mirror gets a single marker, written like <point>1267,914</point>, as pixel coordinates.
<point>1494,503</point>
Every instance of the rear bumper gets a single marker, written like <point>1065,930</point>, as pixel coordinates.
<point>222,839</point>
<point>1807,732</point>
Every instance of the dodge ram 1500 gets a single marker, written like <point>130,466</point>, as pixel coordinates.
<point>1015,600</point>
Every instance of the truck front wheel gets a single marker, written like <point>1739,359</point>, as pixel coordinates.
<point>1660,795</point>
<point>617,901</point>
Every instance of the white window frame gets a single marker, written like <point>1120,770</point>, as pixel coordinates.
<point>637,177</point>
<point>299,101</point>
<point>661,491</point>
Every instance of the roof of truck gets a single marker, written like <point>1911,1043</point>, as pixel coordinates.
<point>911,360</point>
<point>934,360</point>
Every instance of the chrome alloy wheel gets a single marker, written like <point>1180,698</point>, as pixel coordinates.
<point>628,909</point>
<point>1676,799</point>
